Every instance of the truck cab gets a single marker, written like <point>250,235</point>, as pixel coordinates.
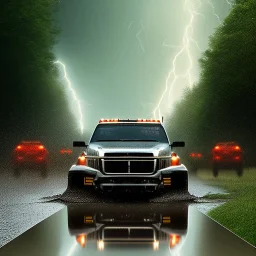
<point>129,155</point>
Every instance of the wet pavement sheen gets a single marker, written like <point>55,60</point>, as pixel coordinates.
<point>128,229</point>
<point>22,197</point>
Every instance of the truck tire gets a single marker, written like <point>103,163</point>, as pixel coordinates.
<point>44,170</point>
<point>239,171</point>
<point>179,182</point>
<point>16,170</point>
<point>215,171</point>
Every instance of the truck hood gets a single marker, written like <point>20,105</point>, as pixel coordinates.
<point>128,146</point>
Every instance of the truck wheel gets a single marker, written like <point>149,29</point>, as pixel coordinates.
<point>179,182</point>
<point>215,171</point>
<point>44,170</point>
<point>183,187</point>
<point>239,171</point>
<point>16,170</point>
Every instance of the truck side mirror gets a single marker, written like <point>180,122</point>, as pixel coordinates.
<point>80,144</point>
<point>177,144</point>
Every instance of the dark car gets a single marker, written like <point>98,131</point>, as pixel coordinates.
<point>194,161</point>
<point>129,155</point>
<point>227,155</point>
<point>30,154</point>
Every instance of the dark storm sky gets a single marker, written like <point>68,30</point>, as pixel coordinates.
<point>114,53</point>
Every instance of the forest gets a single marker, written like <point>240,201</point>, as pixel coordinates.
<point>221,106</point>
<point>33,101</point>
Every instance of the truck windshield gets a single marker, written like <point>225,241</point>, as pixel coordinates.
<point>129,132</point>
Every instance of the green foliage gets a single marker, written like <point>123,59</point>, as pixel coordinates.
<point>238,214</point>
<point>217,196</point>
<point>221,106</point>
<point>33,103</point>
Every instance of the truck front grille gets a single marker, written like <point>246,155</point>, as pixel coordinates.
<point>164,163</point>
<point>131,166</point>
<point>94,163</point>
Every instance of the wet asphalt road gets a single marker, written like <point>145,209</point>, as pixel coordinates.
<point>26,200</point>
<point>117,229</point>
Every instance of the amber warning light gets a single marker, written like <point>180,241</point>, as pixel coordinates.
<point>139,120</point>
<point>81,159</point>
<point>175,159</point>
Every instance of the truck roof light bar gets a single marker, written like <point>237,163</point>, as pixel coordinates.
<point>139,120</point>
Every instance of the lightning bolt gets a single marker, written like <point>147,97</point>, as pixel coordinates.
<point>74,95</point>
<point>137,35</point>
<point>191,7</point>
<point>213,10</point>
<point>130,25</point>
<point>231,3</point>
<point>187,42</point>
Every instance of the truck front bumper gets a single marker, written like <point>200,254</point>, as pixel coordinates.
<point>170,177</point>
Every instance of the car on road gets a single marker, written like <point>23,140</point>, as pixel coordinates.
<point>65,151</point>
<point>129,155</point>
<point>194,161</point>
<point>30,154</point>
<point>63,157</point>
<point>227,155</point>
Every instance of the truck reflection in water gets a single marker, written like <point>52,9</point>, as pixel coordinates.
<point>137,226</point>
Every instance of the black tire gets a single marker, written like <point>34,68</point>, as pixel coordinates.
<point>179,182</point>
<point>44,170</point>
<point>16,171</point>
<point>215,171</point>
<point>239,171</point>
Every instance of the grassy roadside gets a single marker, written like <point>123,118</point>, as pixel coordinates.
<point>238,214</point>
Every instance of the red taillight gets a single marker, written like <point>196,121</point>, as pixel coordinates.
<point>175,160</point>
<point>237,148</point>
<point>81,159</point>
<point>174,240</point>
<point>19,147</point>
<point>41,147</point>
<point>196,155</point>
<point>68,151</point>
<point>216,147</point>
<point>81,239</point>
